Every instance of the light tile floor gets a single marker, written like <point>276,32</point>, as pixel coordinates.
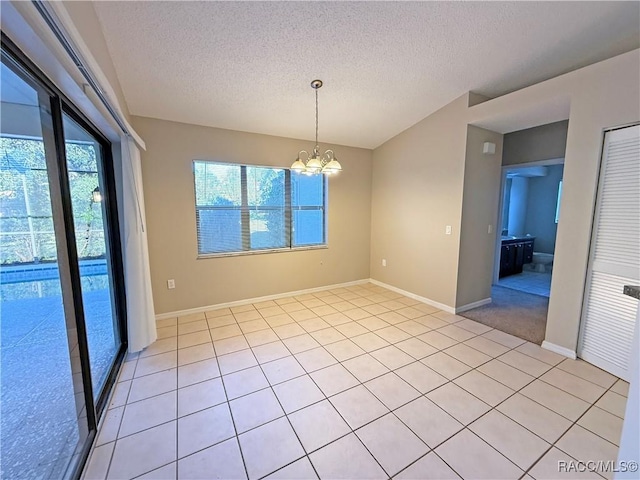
<point>355,382</point>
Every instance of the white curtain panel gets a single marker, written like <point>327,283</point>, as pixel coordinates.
<point>140,313</point>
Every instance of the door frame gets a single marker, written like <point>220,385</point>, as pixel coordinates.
<point>111,208</point>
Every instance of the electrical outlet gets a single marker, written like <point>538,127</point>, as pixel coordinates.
<point>490,229</point>
<point>447,230</point>
<point>384,262</point>
<point>171,283</point>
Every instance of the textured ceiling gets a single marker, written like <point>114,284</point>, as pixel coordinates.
<point>247,65</point>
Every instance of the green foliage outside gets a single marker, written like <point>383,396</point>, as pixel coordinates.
<point>220,185</point>
<point>26,224</point>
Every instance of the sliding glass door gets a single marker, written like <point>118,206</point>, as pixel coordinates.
<point>42,398</point>
<point>61,310</point>
<point>89,200</point>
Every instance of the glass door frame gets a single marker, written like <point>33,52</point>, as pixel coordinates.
<point>111,221</point>
<point>69,266</point>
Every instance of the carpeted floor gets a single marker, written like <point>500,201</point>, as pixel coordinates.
<point>521,314</point>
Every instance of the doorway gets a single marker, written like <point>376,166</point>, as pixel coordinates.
<point>61,288</point>
<point>529,216</point>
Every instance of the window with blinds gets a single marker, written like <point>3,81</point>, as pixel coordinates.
<point>245,208</point>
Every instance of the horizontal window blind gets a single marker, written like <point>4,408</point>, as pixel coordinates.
<point>243,208</point>
<point>218,207</point>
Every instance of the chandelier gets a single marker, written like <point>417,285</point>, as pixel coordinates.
<point>326,163</point>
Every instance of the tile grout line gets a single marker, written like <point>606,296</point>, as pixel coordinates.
<point>325,398</point>
<point>233,422</point>
<point>393,412</point>
<point>390,411</point>
<point>106,412</point>
<point>394,344</point>
<point>554,444</point>
<point>466,426</point>
<point>363,354</point>
<point>280,404</point>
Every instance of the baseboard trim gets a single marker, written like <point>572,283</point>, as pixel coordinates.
<point>428,301</point>
<point>469,306</point>
<point>565,352</point>
<point>189,311</point>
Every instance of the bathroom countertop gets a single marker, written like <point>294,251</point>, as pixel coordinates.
<point>514,239</point>
<point>632,291</point>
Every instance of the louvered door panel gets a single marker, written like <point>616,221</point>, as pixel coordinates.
<point>609,316</point>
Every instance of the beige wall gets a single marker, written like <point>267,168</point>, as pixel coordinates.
<point>535,144</point>
<point>479,210</point>
<point>86,21</point>
<point>610,98</point>
<point>171,221</point>
<point>601,96</point>
<point>422,175</point>
<point>416,193</point>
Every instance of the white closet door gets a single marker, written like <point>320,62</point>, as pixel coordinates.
<point>609,316</point>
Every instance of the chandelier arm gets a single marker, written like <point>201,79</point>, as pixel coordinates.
<point>327,156</point>
<point>301,152</point>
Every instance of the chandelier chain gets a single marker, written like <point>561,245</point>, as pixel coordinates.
<point>313,163</point>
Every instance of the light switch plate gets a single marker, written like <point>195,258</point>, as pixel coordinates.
<point>447,230</point>
<point>171,284</point>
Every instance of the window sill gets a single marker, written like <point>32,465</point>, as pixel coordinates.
<point>260,252</point>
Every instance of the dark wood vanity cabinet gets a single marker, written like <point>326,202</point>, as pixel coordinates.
<point>515,252</point>
<point>528,251</point>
